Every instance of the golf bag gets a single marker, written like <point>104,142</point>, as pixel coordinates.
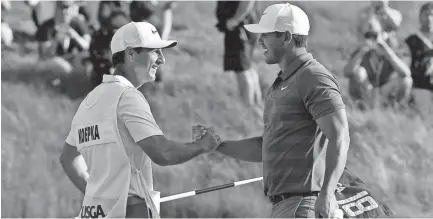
<point>356,201</point>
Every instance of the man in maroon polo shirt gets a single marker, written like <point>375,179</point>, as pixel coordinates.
<point>306,138</point>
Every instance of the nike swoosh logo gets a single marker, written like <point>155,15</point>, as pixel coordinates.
<point>283,88</point>
<point>154,31</point>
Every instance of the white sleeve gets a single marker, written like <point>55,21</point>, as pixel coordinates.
<point>134,111</point>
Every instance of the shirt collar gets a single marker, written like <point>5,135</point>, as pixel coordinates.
<point>117,78</point>
<point>293,65</point>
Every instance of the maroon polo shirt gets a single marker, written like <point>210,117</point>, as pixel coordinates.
<point>294,148</point>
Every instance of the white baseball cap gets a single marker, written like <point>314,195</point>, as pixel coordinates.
<point>138,34</point>
<point>281,18</point>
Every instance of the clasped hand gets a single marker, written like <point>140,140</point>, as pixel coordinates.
<point>206,137</point>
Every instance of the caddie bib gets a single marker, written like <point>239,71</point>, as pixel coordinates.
<point>99,141</point>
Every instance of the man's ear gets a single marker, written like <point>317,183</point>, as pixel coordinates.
<point>287,37</point>
<point>129,54</point>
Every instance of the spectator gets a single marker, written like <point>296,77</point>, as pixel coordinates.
<point>421,49</point>
<point>60,36</point>
<point>41,13</point>
<point>99,51</point>
<point>239,46</point>
<point>389,18</point>
<point>105,10</point>
<point>375,67</point>
<point>158,13</point>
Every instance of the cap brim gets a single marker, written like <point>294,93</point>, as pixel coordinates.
<point>163,44</point>
<point>256,28</point>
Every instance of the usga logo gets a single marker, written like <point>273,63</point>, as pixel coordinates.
<point>92,211</point>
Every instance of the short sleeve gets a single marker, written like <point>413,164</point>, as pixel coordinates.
<point>70,139</point>
<point>134,111</point>
<point>320,93</point>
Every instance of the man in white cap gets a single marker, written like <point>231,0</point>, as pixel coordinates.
<point>306,138</point>
<point>114,137</point>
<point>377,71</point>
<point>389,18</point>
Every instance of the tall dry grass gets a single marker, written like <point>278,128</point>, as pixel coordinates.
<point>390,150</point>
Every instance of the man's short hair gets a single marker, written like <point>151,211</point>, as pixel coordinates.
<point>300,41</point>
<point>118,58</point>
<point>426,7</point>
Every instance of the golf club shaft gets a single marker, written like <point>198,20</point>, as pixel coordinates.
<point>210,189</point>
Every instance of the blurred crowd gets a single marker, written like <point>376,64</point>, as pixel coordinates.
<point>381,68</point>
<point>69,39</point>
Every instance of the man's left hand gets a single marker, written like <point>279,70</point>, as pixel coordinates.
<point>325,206</point>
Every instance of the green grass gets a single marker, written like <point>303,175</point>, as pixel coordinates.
<point>390,150</point>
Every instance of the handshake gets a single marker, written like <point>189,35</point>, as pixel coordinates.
<point>205,137</point>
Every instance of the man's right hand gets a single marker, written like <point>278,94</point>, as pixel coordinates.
<point>206,137</point>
